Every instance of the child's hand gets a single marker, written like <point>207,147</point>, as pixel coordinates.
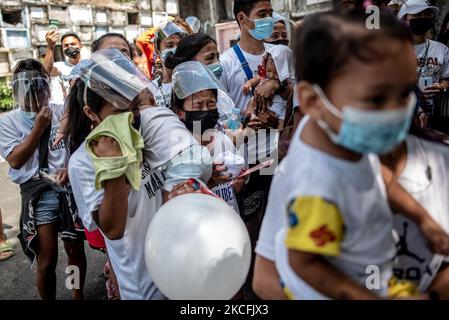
<point>219,175</point>
<point>435,235</point>
<point>238,184</point>
<point>63,176</point>
<point>180,189</point>
<point>247,87</point>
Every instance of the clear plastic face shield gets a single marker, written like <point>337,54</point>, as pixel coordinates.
<point>279,17</point>
<point>31,90</point>
<point>192,77</point>
<point>194,23</point>
<point>114,77</point>
<point>168,29</point>
<point>289,25</point>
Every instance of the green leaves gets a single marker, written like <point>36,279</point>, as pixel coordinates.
<point>6,100</point>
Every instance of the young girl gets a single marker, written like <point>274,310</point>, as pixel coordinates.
<point>167,39</point>
<point>356,86</point>
<point>123,215</point>
<point>27,137</point>
<point>277,64</point>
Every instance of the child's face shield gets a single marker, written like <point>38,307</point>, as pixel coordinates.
<point>170,28</point>
<point>115,78</point>
<point>192,77</point>
<point>31,90</point>
<point>194,23</point>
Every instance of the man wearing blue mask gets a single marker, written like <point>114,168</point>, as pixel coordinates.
<point>241,61</point>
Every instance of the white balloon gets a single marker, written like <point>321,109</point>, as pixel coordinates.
<point>197,248</point>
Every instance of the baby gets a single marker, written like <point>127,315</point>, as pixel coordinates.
<point>277,64</point>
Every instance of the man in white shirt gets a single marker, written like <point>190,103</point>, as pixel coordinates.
<point>71,47</point>
<point>256,24</point>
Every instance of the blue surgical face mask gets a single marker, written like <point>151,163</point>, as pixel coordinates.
<point>165,53</point>
<point>216,69</point>
<point>263,28</point>
<point>28,118</point>
<point>365,131</point>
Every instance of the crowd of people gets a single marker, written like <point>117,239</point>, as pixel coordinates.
<point>346,133</point>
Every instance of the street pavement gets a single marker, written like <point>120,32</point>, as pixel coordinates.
<point>17,280</point>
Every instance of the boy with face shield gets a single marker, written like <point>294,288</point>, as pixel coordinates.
<point>38,165</point>
<point>105,108</point>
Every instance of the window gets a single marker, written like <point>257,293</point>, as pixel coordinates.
<point>133,18</point>
<point>146,19</point>
<point>99,31</point>
<point>12,16</point>
<point>172,6</point>
<point>38,13</point>
<point>17,38</point>
<point>158,5</point>
<point>101,17</point>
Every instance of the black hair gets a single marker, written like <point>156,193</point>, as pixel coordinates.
<point>79,125</point>
<point>443,36</point>
<point>245,6</point>
<point>30,65</point>
<point>70,34</point>
<point>327,41</point>
<point>177,104</point>
<point>96,44</point>
<point>188,48</point>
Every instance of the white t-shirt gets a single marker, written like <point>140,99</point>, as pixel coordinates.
<point>415,261</point>
<point>65,67</point>
<point>223,144</point>
<point>296,103</point>
<point>127,255</point>
<point>57,90</point>
<point>279,107</point>
<point>435,63</point>
<point>234,76</point>
<point>315,190</point>
<point>163,95</point>
<point>13,132</point>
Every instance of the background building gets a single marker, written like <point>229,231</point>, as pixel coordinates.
<point>24,23</point>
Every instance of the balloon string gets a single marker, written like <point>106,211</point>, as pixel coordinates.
<point>198,185</point>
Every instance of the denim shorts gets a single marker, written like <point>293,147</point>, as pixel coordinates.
<point>47,209</point>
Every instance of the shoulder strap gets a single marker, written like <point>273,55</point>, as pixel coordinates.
<point>243,62</point>
<point>43,148</point>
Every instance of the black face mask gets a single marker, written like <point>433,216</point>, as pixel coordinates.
<point>420,26</point>
<point>72,52</point>
<point>279,41</point>
<point>136,123</point>
<point>207,118</point>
